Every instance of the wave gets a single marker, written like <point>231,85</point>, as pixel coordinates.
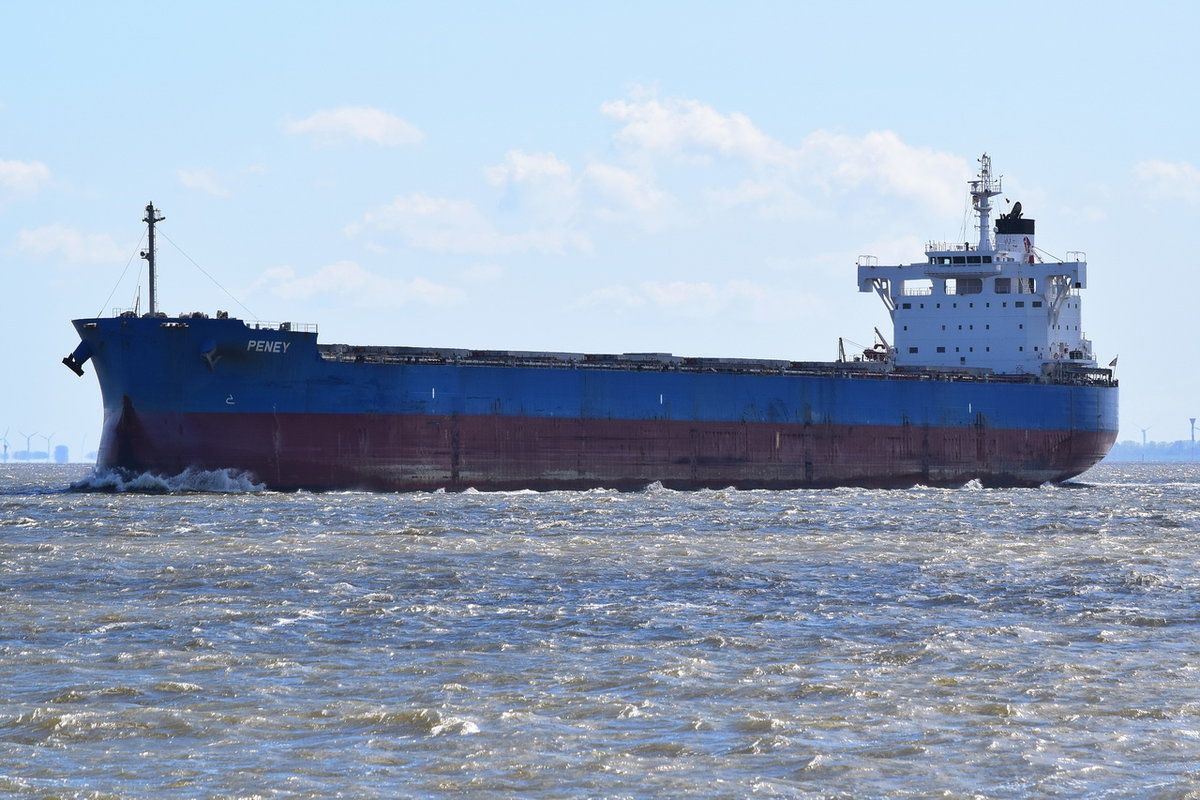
<point>219,481</point>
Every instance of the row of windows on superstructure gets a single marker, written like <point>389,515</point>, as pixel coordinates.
<point>1020,326</point>
<point>975,285</point>
<point>1000,285</point>
<point>960,259</point>
<point>940,349</point>
<point>1016,304</point>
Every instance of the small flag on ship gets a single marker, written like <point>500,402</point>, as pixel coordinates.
<point>1113,363</point>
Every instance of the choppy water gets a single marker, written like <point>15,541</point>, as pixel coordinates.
<point>844,643</point>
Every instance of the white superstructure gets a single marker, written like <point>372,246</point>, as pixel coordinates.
<point>992,305</point>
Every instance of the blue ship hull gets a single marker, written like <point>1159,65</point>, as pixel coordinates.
<point>215,393</point>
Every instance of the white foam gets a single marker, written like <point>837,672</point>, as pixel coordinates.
<point>190,480</point>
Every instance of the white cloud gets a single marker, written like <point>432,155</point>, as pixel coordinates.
<point>440,225</point>
<point>628,195</point>
<point>347,280</point>
<point>774,198</point>
<point>1170,179</point>
<point>688,127</point>
<point>23,176</point>
<point>687,299</point>
<point>357,123</point>
<point>203,180</point>
<point>483,273</point>
<point>689,131</point>
<point>58,240</point>
<point>616,297</point>
<point>705,300</point>
<point>543,184</point>
<point>548,204</point>
<point>879,160</point>
<point>522,167</point>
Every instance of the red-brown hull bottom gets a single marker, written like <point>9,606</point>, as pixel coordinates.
<point>397,453</point>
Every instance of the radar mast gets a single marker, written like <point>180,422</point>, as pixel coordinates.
<point>982,191</point>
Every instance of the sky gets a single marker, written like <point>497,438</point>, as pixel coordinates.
<point>688,177</point>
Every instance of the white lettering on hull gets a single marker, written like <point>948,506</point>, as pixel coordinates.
<point>267,346</point>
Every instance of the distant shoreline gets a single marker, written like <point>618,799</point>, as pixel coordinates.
<point>1167,452</point>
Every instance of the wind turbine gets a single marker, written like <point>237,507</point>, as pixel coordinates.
<point>1144,443</point>
<point>47,438</point>
<point>4,439</point>
<point>28,447</point>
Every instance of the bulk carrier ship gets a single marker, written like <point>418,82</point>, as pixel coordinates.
<point>989,378</point>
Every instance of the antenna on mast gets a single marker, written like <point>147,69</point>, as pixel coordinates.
<point>982,191</point>
<point>152,216</point>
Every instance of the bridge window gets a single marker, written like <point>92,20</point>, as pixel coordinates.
<point>917,286</point>
<point>1003,285</point>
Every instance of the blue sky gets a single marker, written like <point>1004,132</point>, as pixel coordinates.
<point>695,178</point>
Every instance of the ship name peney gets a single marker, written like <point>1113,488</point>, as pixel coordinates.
<point>267,346</point>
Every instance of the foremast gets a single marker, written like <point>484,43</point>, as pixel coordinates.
<point>153,215</point>
<point>83,352</point>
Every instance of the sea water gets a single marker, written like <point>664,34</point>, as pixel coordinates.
<point>202,638</point>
